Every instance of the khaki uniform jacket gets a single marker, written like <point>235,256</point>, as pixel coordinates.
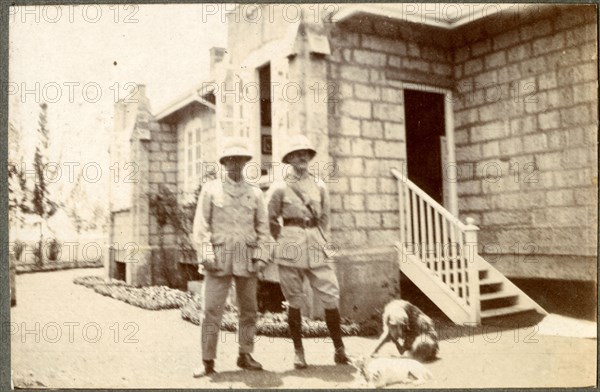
<point>231,221</point>
<point>296,246</point>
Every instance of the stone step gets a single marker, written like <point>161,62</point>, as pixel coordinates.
<point>486,314</point>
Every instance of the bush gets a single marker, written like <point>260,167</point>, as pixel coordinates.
<point>38,253</point>
<point>18,248</point>
<point>53,249</point>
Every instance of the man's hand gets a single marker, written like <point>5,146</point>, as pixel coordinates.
<point>260,265</point>
<point>209,264</point>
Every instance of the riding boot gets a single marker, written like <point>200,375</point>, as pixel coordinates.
<point>295,324</point>
<point>332,319</point>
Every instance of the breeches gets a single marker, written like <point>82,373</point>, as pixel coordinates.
<point>323,281</point>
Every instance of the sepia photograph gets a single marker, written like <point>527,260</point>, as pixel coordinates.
<point>301,196</point>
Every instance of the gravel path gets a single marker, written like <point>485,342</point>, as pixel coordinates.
<point>67,336</point>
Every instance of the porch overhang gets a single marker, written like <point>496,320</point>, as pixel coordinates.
<point>196,95</point>
<point>444,15</point>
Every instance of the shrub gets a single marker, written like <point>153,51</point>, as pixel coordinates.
<point>167,210</point>
<point>38,253</point>
<point>18,248</point>
<point>53,249</point>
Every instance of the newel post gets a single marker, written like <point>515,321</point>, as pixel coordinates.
<point>473,270</point>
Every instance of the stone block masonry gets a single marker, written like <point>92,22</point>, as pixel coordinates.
<point>367,127</point>
<point>153,147</point>
<point>527,108</point>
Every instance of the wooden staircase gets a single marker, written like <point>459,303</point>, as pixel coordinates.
<point>498,296</point>
<point>439,254</point>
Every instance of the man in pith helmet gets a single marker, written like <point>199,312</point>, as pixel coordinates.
<point>229,233</point>
<point>301,203</point>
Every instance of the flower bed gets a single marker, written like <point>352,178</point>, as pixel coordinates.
<point>163,297</point>
<point>151,297</point>
<point>92,280</point>
<point>48,266</point>
<point>276,325</point>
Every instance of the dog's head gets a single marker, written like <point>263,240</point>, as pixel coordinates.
<point>397,323</point>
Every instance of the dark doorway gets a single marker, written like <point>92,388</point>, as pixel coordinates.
<point>264,79</point>
<point>425,125</point>
<point>120,271</point>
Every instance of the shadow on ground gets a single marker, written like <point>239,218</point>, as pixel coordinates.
<point>269,379</point>
<point>449,331</point>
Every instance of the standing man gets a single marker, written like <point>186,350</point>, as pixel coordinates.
<point>229,234</point>
<point>299,222</point>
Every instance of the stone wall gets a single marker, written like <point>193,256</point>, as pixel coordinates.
<point>121,223</point>
<point>153,148</point>
<point>526,131</point>
<point>370,63</point>
<point>270,26</point>
<point>368,280</point>
<point>120,241</point>
<point>162,171</point>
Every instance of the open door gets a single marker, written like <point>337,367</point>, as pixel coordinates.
<point>425,126</point>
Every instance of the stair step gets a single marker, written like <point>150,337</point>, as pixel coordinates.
<point>490,282</point>
<point>497,295</point>
<point>490,285</point>
<point>505,311</point>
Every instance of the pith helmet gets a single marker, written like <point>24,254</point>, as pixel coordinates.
<point>235,147</point>
<point>298,143</point>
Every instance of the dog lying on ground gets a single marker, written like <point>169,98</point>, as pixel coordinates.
<point>402,321</point>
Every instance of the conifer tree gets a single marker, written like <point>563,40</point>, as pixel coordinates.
<point>42,204</point>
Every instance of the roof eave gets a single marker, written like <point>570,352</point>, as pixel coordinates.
<point>411,12</point>
<point>193,96</point>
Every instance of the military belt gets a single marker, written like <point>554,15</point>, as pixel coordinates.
<point>300,222</point>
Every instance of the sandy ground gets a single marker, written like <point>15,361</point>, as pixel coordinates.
<point>67,336</point>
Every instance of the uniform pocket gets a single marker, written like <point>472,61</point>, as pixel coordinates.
<point>292,207</point>
<point>253,251</point>
<point>289,247</point>
<point>218,249</point>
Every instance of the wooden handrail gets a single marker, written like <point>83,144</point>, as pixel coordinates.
<point>434,204</point>
<point>455,279</point>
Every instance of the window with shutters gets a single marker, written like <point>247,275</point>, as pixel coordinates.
<point>189,162</point>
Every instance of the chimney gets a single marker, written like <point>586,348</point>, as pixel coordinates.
<point>216,56</point>
<point>141,98</point>
<point>126,111</point>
